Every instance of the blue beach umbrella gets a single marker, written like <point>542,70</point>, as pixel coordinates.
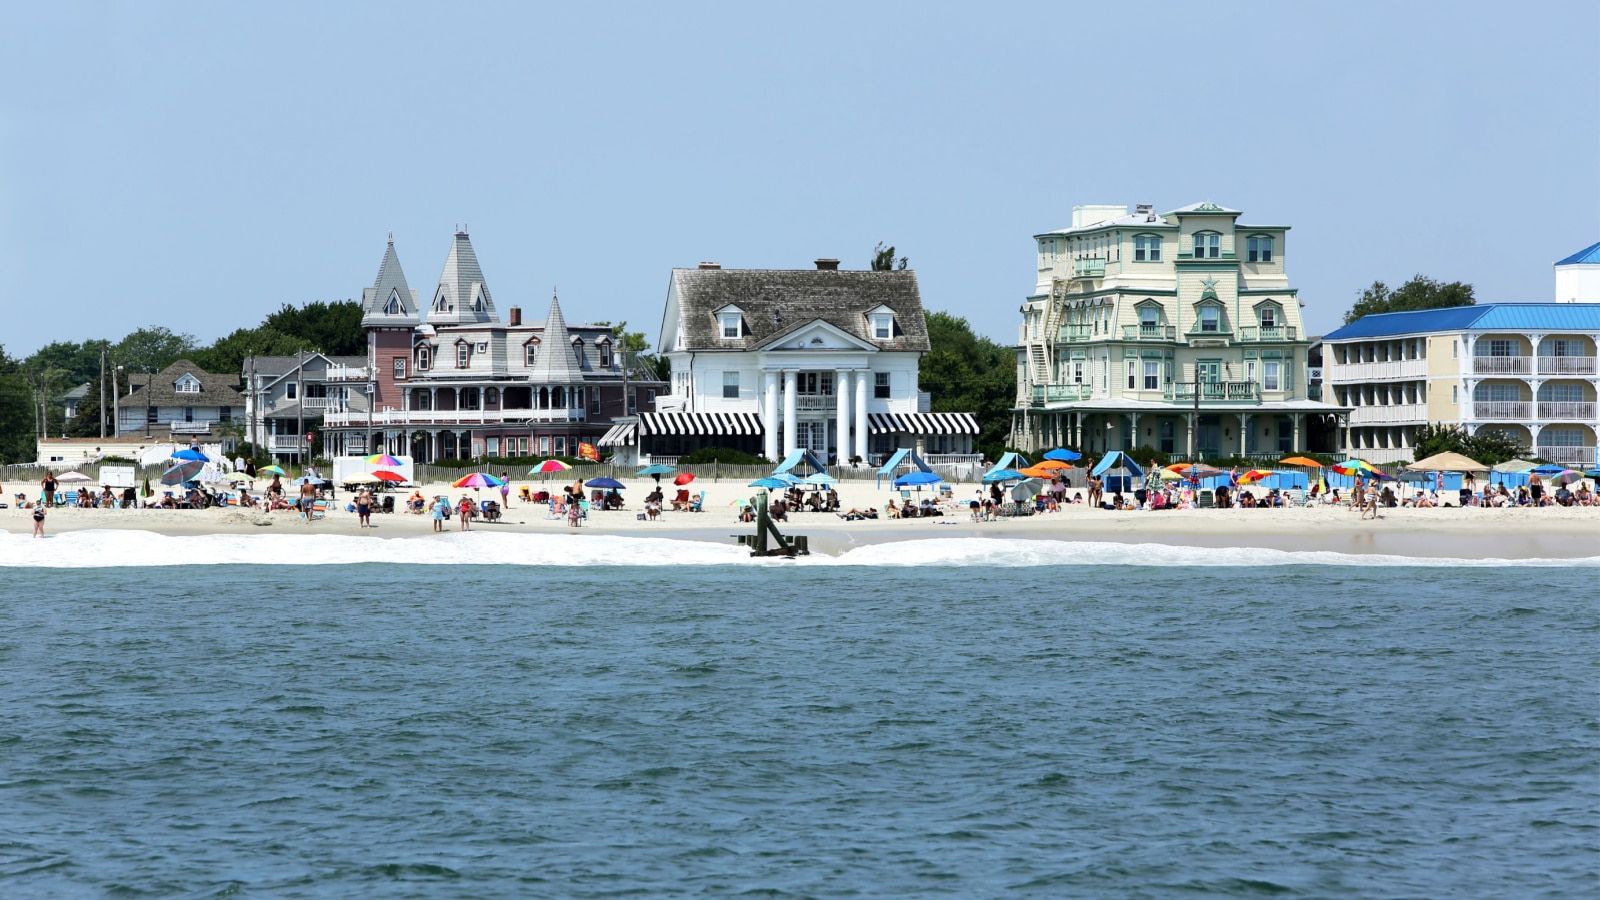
<point>1003,475</point>
<point>1546,470</point>
<point>917,479</point>
<point>191,456</point>
<point>1063,455</point>
<point>607,484</point>
<point>771,484</point>
<point>822,478</point>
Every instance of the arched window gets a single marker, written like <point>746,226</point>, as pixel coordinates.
<point>491,396</point>
<point>577,351</point>
<point>544,398</point>
<point>558,398</point>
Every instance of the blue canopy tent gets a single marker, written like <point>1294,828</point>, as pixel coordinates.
<point>795,458</point>
<point>1010,461</point>
<point>902,457</point>
<point>1116,459</point>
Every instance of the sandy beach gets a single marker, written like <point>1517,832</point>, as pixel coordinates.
<point>1473,533</point>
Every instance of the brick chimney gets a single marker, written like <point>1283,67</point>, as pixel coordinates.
<point>516,315</point>
<point>827,265</point>
<point>711,265</point>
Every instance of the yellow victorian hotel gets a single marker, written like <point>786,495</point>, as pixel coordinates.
<point>1177,331</point>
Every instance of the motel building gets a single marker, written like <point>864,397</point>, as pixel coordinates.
<point>1527,369</point>
<point>448,378</point>
<point>1135,317</point>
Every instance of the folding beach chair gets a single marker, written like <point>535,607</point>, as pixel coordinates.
<point>698,504</point>
<point>1205,499</point>
<point>558,509</point>
<point>317,510</point>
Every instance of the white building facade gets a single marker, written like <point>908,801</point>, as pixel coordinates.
<point>1525,369</point>
<point>1578,276</point>
<point>770,361</point>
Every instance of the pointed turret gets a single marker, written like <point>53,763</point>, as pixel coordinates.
<point>389,302</point>
<point>555,363</point>
<point>461,297</point>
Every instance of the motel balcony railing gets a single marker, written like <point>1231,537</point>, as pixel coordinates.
<point>1566,410</point>
<point>1213,391</point>
<point>1502,365</point>
<point>1061,393</point>
<point>433,417</point>
<point>1566,456</point>
<point>1566,365</point>
<point>1493,410</point>
<point>1276,334</point>
<point>1389,414</point>
<point>1149,332</point>
<point>1404,369</point>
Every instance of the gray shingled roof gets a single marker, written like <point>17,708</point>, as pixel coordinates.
<point>556,363</point>
<point>777,301</point>
<point>283,365</point>
<point>391,280</point>
<point>460,284</point>
<point>215,390</point>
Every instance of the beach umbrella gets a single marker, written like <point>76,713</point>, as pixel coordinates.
<point>271,470</point>
<point>386,475</point>
<point>362,478</point>
<point>1062,454</point>
<point>1303,461</point>
<point>1592,473</point>
<point>477,480</point>
<point>549,465</point>
<point>1025,490</point>
<point>1547,469</point>
<point>1565,476</point>
<point>1003,475</point>
<point>656,471</point>
<point>916,479</point>
<point>310,480</point>
<point>822,478</point>
<point>1051,465</point>
<point>191,455</point>
<point>71,477</point>
<point>1448,462</point>
<point>1038,472</point>
<point>1169,475</point>
<point>1255,475</point>
<point>741,502</point>
<point>238,478</point>
<point>184,471</point>
<point>383,459</point>
<point>607,484</point>
<point>683,478</point>
<point>769,483</point>
<point>1355,467</point>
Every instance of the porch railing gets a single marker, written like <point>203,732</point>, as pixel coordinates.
<point>1566,410</point>
<point>1254,333</point>
<point>1502,409</point>
<point>1149,332</point>
<point>1055,393</point>
<point>1566,365</point>
<point>1502,365</point>
<point>1213,390</point>
<point>1567,456</point>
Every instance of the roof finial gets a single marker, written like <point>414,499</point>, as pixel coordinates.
<point>391,237</point>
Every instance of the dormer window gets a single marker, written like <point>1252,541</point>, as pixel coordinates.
<point>188,384</point>
<point>395,307</point>
<point>1147,248</point>
<point>883,326</point>
<point>1260,249</point>
<point>731,324</point>
<point>1210,319</point>
<point>422,357</point>
<point>530,352</point>
<point>605,355</point>
<point>577,351</point>
<point>1269,317</point>
<point>1149,316</point>
<point>1207,245</point>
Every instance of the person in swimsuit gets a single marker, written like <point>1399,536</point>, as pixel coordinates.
<point>364,508</point>
<point>441,508</point>
<point>465,508</point>
<point>48,483</point>
<point>38,521</point>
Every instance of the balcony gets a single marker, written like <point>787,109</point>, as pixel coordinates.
<point>1201,335</point>
<point>330,403</point>
<point>389,418</point>
<point>1502,365</point>
<point>1275,334</point>
<point>1566,365</point>
<point>1093,267</point>
<point>1393,370</point>
<point>346,373</point>
<point>1566,456</point>
<point>1060,393</point>
<point>1236,391</point>
<point>1076,333</point>
<point>1566,410</point>
<point>1393,414</point>
<point>1149,333</point>
<point>816,402</point>
<point>192,427</point>
<point>287,443</point>
<point>1501,410</point>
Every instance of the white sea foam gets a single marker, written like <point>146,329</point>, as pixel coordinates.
<point>98,549</point>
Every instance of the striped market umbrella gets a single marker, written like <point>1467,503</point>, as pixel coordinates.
<point>549,465</point>
<point>477,480</point>
<point>384,459</point>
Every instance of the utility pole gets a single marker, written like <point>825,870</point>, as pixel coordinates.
<point>300,410</point>
<point>116,403</point>
<point>102,392</point>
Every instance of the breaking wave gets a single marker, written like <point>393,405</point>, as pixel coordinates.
<point>116,548</point>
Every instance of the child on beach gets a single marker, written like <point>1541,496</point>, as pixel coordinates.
<point>574,512</point>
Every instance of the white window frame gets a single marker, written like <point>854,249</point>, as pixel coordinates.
<point>730,379</point>
<point>1132,368</point>
<point>1207,241</point>
<point>1271,378</point>
<point>882,327</point>
<point>530,353</point>
<point>423,358</point>
<point>1268,317</point>
<point>882,388</point>
<point>1152,374</point>
<point>730,321</point>
<point>463,355</point>
<point>1215,317</point>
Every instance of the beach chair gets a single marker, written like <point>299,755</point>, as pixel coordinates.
<point>1205,499</point>
<point>317,510</point>
<point>558,509</point>
<point>905,496</point>
<point>698,504</point>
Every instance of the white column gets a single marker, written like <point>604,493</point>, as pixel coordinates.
<point>769,414</point>
<point>861,413</point>
<point>791,425</point>
<point>841,396</point>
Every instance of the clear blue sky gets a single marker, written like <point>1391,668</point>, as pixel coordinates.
<point>197,165</point>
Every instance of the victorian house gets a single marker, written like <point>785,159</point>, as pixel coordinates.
<point>769,361</point>
<point>447,378</point>
<point>1178,331</point>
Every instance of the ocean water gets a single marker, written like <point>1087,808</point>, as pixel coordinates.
<point>967,718</point>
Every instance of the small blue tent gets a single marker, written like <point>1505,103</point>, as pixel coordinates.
<point>796,457</point>
<point>902,457</point>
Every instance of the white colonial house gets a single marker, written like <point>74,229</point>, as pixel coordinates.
<point>769,361</point>
<point>1178,331</point>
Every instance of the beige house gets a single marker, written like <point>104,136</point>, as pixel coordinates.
<point>1178,331</point>
<point>1527,369</point>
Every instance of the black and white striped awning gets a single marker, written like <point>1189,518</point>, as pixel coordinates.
<point>922,423</point>
<point>699,423</point>
<point>619,434</point>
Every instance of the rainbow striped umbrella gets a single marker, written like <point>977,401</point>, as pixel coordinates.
<point>478,480</point>
<point>384,459</point>
<point>1356,467</point>
<point>549,465</point>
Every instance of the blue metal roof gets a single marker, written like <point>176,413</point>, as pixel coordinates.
<point>1499,316</point>
<point>1589,254</point>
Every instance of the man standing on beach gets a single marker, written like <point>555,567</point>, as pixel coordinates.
<point>308,495</point>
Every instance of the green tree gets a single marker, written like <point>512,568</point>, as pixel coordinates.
<point>635,344</point>
<point>883,259</point>
<point>151,349</point>
<point>1420,292</point>
<point>969,373</point>
<point>18,419</point>
<point>77,362</point>
<point>1488,446</point>
<point>333,327</point>
<point>228,354</point>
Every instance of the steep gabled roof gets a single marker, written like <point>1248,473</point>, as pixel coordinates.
<point>462,297</point>
<point>556,363</point>
<point>774,301</point>
<point>390,300</point>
